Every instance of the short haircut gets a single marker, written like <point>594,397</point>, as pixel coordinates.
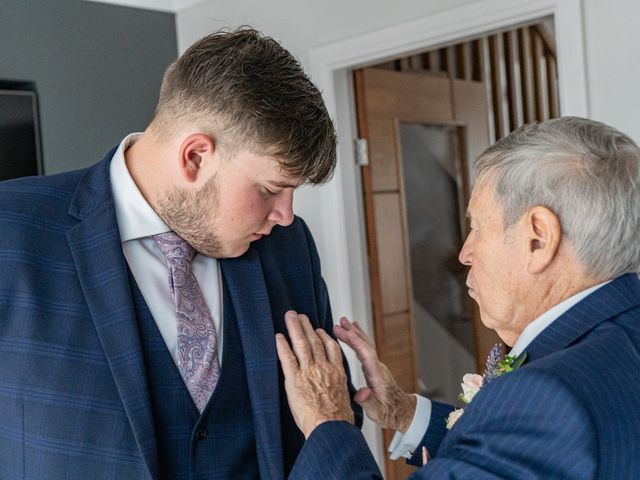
<point>249,93</point>
<point>587,173</point>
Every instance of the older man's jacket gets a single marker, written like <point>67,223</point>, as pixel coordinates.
<point>572,411</point>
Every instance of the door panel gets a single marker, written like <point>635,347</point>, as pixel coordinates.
<point>390,102</point>
<point>391,241</point>
<point>385,95</point>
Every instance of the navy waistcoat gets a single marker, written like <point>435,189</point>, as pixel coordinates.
<point>220,443</point>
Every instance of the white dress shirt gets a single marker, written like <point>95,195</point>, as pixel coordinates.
<point>403,445</point>
<point>137,222</point>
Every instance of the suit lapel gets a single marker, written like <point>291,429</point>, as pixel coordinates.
<point>612,299</point>
<point>97,253</point>
<point>245,281</point>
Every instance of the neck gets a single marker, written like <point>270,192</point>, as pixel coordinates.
<point>546,292</point>
<point>144,162</point>
<point>559,293</point>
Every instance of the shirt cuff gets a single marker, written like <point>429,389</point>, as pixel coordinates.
<point>404,444</point>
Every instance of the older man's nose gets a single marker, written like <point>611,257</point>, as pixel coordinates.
<point>465,253</point>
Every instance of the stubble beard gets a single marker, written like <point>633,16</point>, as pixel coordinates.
<point>189,214</point>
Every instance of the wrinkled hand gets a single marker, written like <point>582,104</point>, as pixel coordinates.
<point>382,399</point>
<point>314,376</point>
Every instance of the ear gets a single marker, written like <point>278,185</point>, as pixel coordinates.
<point>193,150</point>
<point>545,233</point>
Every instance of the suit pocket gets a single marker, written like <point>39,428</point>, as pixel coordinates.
<point>11,438</point>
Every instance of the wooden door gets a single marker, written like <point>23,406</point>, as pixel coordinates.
<point>390,104</point>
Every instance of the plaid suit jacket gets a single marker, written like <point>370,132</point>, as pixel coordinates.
<point>73,396</point>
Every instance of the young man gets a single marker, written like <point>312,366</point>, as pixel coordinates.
<point>139,298</point>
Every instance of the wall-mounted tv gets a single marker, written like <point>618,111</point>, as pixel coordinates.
<point>20,153</point>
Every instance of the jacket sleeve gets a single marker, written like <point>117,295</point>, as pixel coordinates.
<point>335,451</point>
<point>530,427</point>
<point>435,433</point>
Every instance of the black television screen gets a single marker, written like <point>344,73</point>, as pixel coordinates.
<point>19,136</point>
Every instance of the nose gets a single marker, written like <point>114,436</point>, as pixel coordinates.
<point>465,252</point>
<point>282,211</point>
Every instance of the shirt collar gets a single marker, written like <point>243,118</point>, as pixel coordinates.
<point>136,218</point>
<point>532,330</point>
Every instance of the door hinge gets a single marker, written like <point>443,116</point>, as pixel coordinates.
<point>362,152</point>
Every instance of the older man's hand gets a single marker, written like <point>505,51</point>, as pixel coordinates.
<point>383,400</point>
<point>314,376</point>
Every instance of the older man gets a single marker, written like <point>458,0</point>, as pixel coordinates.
<point>553,251</point>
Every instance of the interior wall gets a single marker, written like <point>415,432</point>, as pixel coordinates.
<point>301,26</point>
<point>612,37</point>
<point>97,69</point>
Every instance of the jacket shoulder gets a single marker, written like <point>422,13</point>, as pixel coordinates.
<point>23,194</point>
<point>34,208</point>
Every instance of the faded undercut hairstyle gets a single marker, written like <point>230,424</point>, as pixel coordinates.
<point>587,173</point>
<point>249,93</point>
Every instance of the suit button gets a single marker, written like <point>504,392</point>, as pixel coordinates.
<point>201,434</point>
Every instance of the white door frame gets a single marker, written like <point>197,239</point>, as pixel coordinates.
<point>342,236</point>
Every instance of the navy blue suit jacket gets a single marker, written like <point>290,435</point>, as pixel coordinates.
<point>73,393</point>
<point>572,411</point>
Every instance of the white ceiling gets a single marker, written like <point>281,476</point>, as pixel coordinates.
<point>161,5</point>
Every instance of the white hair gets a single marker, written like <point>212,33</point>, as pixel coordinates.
<point>587,173</point>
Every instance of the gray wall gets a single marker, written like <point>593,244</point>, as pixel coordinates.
<point>97,69</point>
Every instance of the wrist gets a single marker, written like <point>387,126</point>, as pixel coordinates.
<point>317,421</point>
<point>407,413</point>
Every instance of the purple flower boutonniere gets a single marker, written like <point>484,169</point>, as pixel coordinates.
<point>472,382</point>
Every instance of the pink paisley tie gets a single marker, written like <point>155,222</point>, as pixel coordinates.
<point>197,345</point>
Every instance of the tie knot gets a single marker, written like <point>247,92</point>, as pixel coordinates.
<point>174,247</point>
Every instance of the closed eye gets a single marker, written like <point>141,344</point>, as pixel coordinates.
<point>268,192</point>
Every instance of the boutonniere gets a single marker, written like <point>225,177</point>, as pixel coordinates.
<point>472,382</point>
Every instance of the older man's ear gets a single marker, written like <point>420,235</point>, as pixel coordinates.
<point>544,236</point>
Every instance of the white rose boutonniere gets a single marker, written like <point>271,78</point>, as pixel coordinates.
<point>472,382</point>
<point>453,417</point>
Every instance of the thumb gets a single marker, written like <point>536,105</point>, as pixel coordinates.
<point>370,405</point>
<point>368,401</point>
<point>362,396</point>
